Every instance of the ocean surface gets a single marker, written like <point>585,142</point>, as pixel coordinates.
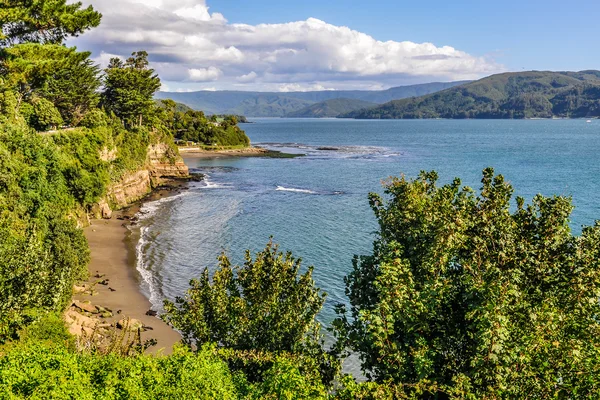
<point>316,206</point>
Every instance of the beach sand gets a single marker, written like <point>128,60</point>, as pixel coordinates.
<point>113,258</point>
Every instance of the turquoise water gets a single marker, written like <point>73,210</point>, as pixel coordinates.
<point>316,206</point>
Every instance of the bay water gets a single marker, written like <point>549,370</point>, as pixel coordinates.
<point>316,206</point>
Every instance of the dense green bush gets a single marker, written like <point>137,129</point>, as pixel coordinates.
<point>42,371</point>
<point>266,306</point>
<point>464,296</point>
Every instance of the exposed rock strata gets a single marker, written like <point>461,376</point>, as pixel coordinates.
<point>162,166</point>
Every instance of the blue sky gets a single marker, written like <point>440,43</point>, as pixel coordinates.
<point>279,45</point>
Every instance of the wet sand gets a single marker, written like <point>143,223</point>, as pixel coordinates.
<point>113,258</point>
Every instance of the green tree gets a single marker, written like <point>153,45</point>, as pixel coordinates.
<point>45,116</point>
<point>266,305</point>
<point>67,78</point>
<point>129,88</point>
<point>44,21</point>
<point>474,300</point>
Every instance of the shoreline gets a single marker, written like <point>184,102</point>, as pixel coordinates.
<point>115,282</point>
<point>197,152</point>
<point>113,262</point>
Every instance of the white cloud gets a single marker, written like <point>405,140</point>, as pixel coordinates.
<point>296,87</point>
<point>187,43</point>
<point>250,77</point>
<point>204,74</point>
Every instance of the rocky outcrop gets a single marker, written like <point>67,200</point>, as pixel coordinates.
<point>165,164</point>
<point>131,188</point>
<point>162,165</point>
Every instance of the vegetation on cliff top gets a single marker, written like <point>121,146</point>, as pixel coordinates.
<point>510,95</point>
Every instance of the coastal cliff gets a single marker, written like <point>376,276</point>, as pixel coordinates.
<point>163,165</point>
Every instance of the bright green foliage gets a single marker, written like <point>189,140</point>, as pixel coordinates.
<point>266,305</point>
<point>44,21</point>
<point>284,381</point>
<point>194,126</point>
<point>42,251</point>
<point>66,78</point>
<point>43,371</point>
<point>462,293</point>
<point>129,88</point>
<point>46,181</point>
<point>44,116</point>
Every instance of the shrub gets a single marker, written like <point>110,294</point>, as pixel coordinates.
<point>463,294</point>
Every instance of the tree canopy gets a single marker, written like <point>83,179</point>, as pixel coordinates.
<point>44,21</point>
<point>67,78</point>
<point>129,87</point>
<point>466,296</point>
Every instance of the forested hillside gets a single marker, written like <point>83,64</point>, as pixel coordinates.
<point>278,104</point>
<point>331,108</point>
<point>511,95</point>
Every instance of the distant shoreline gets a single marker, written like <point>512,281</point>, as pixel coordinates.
<point>197,152</point>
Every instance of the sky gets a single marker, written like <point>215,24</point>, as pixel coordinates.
<point>270,45</point>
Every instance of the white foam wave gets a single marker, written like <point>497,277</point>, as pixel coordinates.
<point>147,211</point>
<point>208,184</point>
<point>150,208</point>
<point>146,275</point>
<point>284,189</point>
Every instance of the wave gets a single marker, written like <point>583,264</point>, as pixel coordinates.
<point>208,184</point>
<point>285,189</point>
<point>147,211</point>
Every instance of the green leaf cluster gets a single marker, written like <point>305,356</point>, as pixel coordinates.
<point>267,305</point>
<point>44,21</point>
<point>467,296</point>
<point>129,87</point>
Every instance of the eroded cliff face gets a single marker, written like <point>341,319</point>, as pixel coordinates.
<point>165,165</point>
<point>162,166</point>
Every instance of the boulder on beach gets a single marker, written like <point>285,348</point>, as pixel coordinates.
<point>130,324</point>
<point>85,306</point>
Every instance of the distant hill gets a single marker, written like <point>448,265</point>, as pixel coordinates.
<point>534,94</point>
<point>268,105</point>
<point>276,104</point>
<point>331,108</point>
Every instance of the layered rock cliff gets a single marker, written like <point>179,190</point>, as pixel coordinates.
<point>162,165</point>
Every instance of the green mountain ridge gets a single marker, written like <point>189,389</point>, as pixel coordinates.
<point>515,95</point>
<point>268,106</point>
<point>331,108</point>
<point>278,104</point>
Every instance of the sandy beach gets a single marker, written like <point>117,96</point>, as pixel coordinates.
<point>113,259</point>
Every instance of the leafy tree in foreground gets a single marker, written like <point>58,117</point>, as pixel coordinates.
<point>266,306</point>
<point>129,88</point>
<point>473,300</point>
<point>44,21</point>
